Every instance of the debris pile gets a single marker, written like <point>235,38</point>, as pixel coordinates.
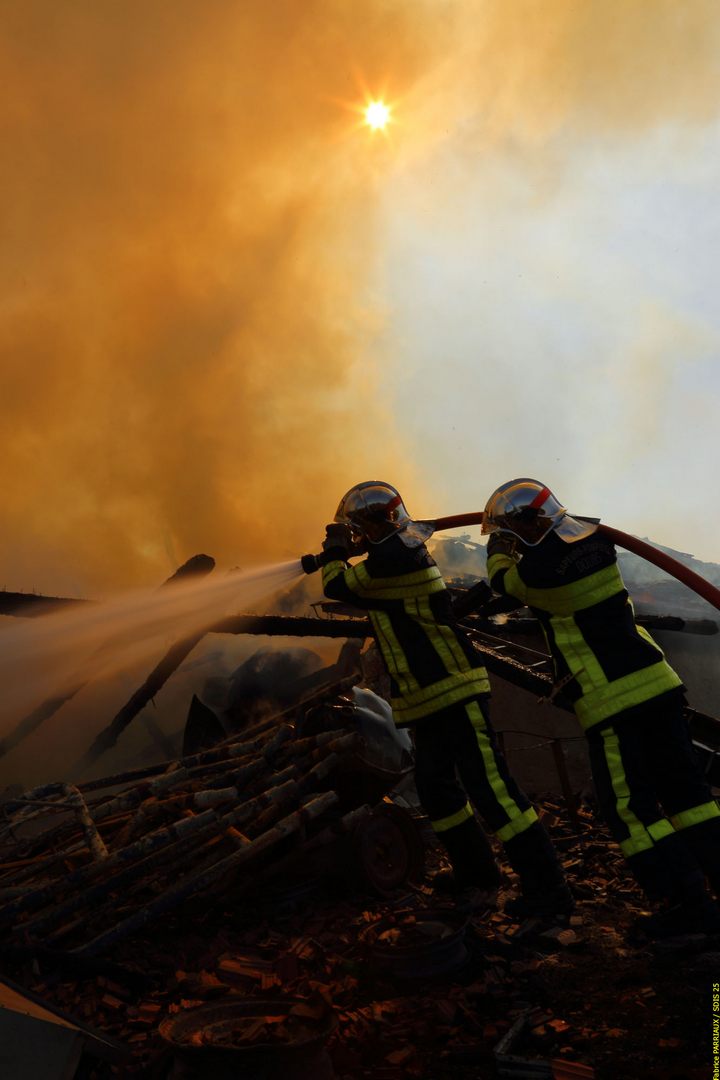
<point>85,866</point>
<point>263,907</point>
<point>305,962</point>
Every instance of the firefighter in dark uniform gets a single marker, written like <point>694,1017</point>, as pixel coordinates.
<point>626,696</point>
<point>439,686</point>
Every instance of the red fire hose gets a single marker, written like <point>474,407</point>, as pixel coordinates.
<point>678,570</point>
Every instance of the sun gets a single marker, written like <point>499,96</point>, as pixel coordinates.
<point>377,115</point>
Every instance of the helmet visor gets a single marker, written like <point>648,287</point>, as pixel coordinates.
<point>373,505</point>
<point>525,508</point>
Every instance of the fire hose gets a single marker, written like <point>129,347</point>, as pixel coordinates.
<point>678,570</point>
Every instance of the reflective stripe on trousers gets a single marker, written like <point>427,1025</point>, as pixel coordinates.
<point>460,739</point>
<point>644,825</point>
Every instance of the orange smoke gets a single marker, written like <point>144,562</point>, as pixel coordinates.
<point>187,351</point>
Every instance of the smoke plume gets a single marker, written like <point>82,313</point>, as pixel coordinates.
<point>186,345</point>
<point>190,328</point>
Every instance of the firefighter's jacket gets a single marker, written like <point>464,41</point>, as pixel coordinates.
<point>604,663</point>
<point>431,663</point>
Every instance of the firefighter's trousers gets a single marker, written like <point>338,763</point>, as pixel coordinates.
<point>458,765</point>
<point>656,801</point>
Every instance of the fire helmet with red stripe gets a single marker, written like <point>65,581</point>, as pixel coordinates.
<point>373,509</point>
<point>528,510</point>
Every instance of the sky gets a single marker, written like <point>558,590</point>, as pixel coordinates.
<point>550,280</point>
<point>224,300</point>
<point>590,359</point>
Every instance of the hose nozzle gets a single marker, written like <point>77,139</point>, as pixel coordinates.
<point>312,563</point>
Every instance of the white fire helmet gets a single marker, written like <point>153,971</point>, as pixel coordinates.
<point>373,509</point>
<point>528,510</point>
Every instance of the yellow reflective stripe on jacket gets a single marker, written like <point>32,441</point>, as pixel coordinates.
<point>440,695</point>
<point>645,633</point>
<point>463,680</point>
<point>566,599</point>
<point>642,837</point>
<point>331,570</point>
<point>392,651</point>
<point>577,654</point>
<point>417,577</point>
<point>601,697</point>
<point>452,820</point>
<point>499,561</point>
<point>441,636</point>
<point>623,693</point>
<point>695,815</point>
<point>405,586</point>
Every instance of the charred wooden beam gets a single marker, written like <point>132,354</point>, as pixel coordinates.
<point>262,811</point>
<point>527,624</point>
<point>674,622</point>
<point>196,567</point>
<point>295,859</point>
<point>78,880</point>
<point>236,746</point>
<point>165,852</point>
<point>195,883</point>
<point>30,605</point>
<point>130,799</point>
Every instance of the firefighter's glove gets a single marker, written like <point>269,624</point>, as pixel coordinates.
<point>338,541</point>
<point>359,546</point>
<point>500,543</point>
<point>472,600</point>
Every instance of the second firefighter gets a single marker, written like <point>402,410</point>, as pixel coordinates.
<point>630,702</point>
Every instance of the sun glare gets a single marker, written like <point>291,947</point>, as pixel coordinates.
<point>377,115</point>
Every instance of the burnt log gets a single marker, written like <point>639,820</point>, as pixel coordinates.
<point>196,883</point>
<point>30,605</point>
<point>196,567</point>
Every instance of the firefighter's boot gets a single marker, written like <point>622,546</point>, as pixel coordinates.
<point>545,892</point>
<point>668,873</point>
<point>677,921</point>
<point>703,842</point>
<point>472,860</point>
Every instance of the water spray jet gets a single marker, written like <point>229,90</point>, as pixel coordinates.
<point>53,659</point>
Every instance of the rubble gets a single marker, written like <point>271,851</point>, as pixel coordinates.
<point>244,946</point>
<point>267,893</point>
<point>218,811</point>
